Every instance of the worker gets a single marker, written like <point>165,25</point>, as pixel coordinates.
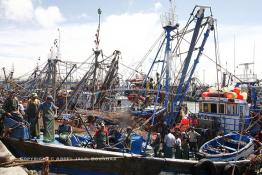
<point>185,146</point>
<point>101,136</point>
<point>178,146</point>
<point>1,121</point>
<point>156,145</point>
<point>169,142</point>
<point>21,108</point>
<point>65,132</point>
<point>192,136</point>
<point>49,110</point>
<point>91,123</point>
<point>127,141</point>
<point>11,104</point>
<point>164,129</point>
<point>32,113</point>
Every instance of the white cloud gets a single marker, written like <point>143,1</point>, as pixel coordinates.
<point>158,6</point>
<point>132,34</point>
<point>48,17</point>
<point>17,10</point>
<point>24,11</point>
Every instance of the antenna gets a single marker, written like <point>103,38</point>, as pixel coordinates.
<point>97,41</point>
<point>58,44</point>
<point>234,55</point>
<point>254,52</point>
<point>168,18</point>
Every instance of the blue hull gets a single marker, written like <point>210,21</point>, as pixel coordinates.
<point>232,146</point>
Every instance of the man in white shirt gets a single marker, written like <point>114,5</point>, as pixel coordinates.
<point>178,144</point>
<point>169,142</point>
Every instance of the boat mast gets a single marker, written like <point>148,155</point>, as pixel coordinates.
<point>183,85</point>
<point>97,53</point>
<point>168,25</point>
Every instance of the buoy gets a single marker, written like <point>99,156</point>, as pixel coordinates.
<point>237,90</point>
<point>205,94</point>
<point>230,95</point>
<point>185,121</point>
<point>240,97</point>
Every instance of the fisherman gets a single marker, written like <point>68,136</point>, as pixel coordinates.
<point>10,105</point>
<point>185,146</point>
<point>164,129</point>
<point>192,136</point>
<point>21,108</point>
<point>101,136</point>
<point>178,145</point>
<point>156,145</point>
<point>65,132</point>
<point>91,123</point>
<point>169,142</point>
<point>127,141</point>
<point>49,111</point>
<point>32,113</point>
<point>1,121</point>
<point>149,85</point>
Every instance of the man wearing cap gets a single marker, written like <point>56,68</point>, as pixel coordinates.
<point>32,112</point>
<point>11,104</point>
<point>101,136</point>
<point>48,110</point>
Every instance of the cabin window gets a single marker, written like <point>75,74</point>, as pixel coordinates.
<point>213,108</point>
<point>205,107</point>
<point>232,109</point>
<point>221,108</point>
<point>200,107</point>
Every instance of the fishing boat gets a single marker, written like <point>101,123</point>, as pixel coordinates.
<point>232,146</point>
<point>80,161</point>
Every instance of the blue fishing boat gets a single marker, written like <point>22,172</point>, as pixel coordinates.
<point>232,146</point>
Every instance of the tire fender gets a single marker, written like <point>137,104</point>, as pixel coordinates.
<point>228,169</point>
<point>204,165</point>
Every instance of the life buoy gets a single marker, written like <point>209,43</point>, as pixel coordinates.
<point>205,166</point>
<point>229,168</point>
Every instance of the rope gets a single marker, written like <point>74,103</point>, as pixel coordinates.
<point>46,161</point>
<point>146,55</point>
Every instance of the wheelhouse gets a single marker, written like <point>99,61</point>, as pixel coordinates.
<point>223,114</point>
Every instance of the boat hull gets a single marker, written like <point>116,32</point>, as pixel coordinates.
<point>209,151</point>
<point>119,163</point>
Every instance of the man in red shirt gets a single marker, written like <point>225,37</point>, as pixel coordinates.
<point>101,136</point>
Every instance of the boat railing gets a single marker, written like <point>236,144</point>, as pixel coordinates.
<point>228,123</point>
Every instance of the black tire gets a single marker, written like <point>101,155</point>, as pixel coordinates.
<point>228,169</point>
<point>205,166</point>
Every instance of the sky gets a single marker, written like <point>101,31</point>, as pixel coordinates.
<point>28,29</point>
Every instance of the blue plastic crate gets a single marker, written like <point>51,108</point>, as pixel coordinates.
<point>136,144</point>
<point>19,131</point>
